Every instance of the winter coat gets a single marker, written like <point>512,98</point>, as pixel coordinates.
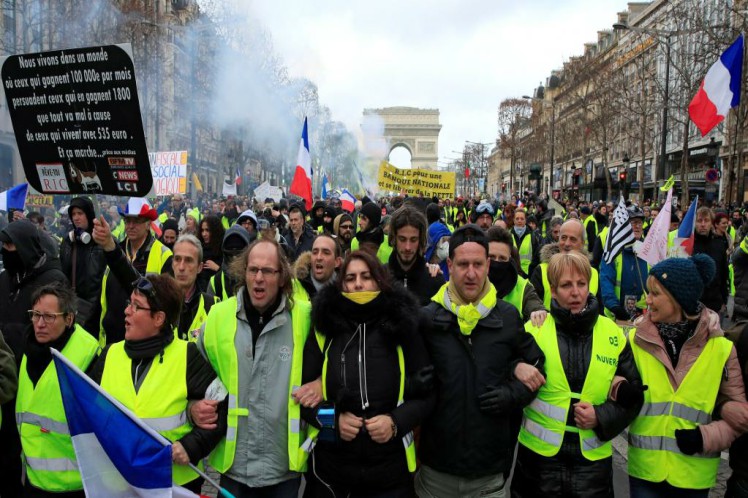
<point>739,449</point>
<point>740,266</point>
<point>717,435</point>
<point>305,242</point>
<point>373,331</point>
<point>458,438</point>
<point>716,293</point>
<point>8,373</point>
<point>89,270</point>
<point>417,279</point>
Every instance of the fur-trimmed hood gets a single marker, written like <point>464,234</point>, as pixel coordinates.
<point>392,313</point>
<point>302,268</point>
<point>548,250</point>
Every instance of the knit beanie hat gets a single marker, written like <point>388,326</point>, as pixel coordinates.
<point>373,212</point>
<point>685,278</point>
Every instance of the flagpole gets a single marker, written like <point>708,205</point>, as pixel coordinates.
<point>158,437</point>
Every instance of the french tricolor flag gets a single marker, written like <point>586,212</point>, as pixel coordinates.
<point>302,178</point>
<point>683,242</point>
<point>347,201</point>
<point>720,90</point>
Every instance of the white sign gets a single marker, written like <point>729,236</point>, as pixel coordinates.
<point>169,171</point>
<point>266,190</point>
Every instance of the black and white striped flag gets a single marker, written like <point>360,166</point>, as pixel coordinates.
<point>620,233</point>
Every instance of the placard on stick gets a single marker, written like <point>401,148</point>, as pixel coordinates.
<point>76,118</point>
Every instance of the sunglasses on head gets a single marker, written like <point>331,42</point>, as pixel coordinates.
<point>145,287</point>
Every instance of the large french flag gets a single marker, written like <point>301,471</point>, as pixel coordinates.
<point>720,90</point>
<point>14,198</point>
<point>118,455</point>
<point>302,178</point>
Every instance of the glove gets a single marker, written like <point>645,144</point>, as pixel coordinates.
<point>420,383</point>
<point>496,401</point>
<point>620,313</point>
<point>630,394</point>
<point>689,441</point>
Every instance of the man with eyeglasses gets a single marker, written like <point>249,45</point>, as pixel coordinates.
<point>139,254</point>
<point>27,268</point>
<point>255,342</point>
<point>344,230</point>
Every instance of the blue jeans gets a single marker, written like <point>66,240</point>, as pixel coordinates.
<point>285,489</point>
<point>639,488</point>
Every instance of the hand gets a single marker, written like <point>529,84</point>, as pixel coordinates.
<point>584,415</point>
<point>620,313</point>
<point>538,318</point>
<point>18,215</point>
<point>102,234</point>
<point>630,394</point>
<point>309,395</point>
<point>529,376</point>
<point>735,413</point>
<point>689,441</point>
<point>211,265</point>
<point>178,454</point>
<point>349,426</point>
<point>204,413</point>
<point>496,401</point>
<point>434,269</point>
<point>380,428</point>
<point>420,383</point>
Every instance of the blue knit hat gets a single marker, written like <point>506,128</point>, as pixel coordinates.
<point>685,278</point>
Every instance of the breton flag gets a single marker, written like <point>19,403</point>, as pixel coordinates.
<point>654,248</point>
<point>238,177</point>
<point>347,201</point>
<point>683,243</point>
<point>118,455</point>
<point>14,198</point>
<point>325,186</point>
<point>620,233</point>
<point>302,178</point>
<point>720,90</point>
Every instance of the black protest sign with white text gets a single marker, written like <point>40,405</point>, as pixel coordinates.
<point>76,118</point>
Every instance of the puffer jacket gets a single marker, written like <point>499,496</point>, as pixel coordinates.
<point>363,378</point>
<point>717,435</point>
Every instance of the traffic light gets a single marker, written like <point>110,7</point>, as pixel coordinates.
<point>622,177</point>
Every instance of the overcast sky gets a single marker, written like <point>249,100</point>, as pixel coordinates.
<point>460,56</point>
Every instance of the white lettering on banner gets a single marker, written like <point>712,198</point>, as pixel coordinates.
<point>169,170</point>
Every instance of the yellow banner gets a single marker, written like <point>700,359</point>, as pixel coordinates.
<point>39,200</point>
<point>424,182</point>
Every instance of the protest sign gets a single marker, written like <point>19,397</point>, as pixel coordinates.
<point>424,182</point>
<point>265,190</point>
<point>169,170</point>
<point>76,119</point>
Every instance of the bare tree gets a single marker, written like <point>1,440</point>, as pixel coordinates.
<point>513,114</point>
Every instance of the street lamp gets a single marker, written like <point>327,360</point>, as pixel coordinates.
<point>552,103</point>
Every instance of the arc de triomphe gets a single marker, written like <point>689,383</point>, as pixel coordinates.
<point>415,129</point>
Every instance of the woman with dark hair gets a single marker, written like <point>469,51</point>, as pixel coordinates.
<point>460,218</point>
<point>211,237</point>
<point>155,375</point>
<point>367,343</point>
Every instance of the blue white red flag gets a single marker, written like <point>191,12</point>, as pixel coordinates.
<point>14,198</point>
<point>720,90</point>
<point>238,177</point>
<point>347,201</point>
<point>118,455</point>
<point>302,178</point>
<point>683,242</point>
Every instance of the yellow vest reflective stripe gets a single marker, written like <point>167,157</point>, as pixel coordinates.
<point>525,251</point>
<point>653,452</point>
<point>544,420</point>
<point>161,401</point>
<point>40,417</point>
<point>594,284</point>
<point>219,334</point>
<point>157,257</point>
<point>516,296</point>
<point>408,441</point>
<point>587,221</point>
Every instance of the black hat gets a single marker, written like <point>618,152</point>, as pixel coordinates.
<point>299,206</point>
<point>373,212</point>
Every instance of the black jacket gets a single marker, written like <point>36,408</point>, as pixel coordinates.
<point>739,448</point>
<point>458,438</point>
<point>417,279</point>
<point>89,270</point>
<point>373,330</point>
<point>716,293</point>
<point>305,242</point>
<point>740,264</point>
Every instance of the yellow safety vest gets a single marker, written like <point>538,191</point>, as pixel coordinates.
<point>212,282</point>
<point>517,294</point>
<point>525,250</point>
<point>653,451</point>
<point>299,292</point>
<point>48,451</point>
<point>157,256</point>
<point>118,232</point>
<point>594,284</point>
<point>408,441</point>
<point>544,420</point>
<point>383,253</point>
<point>161,401</point>
<point>587,221</point>
<point>200,317</point>
<point>220,331</point>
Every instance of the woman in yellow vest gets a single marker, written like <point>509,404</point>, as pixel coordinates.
<point>565,448</point>
<point>155,375</point>
<point>367,342</point>
<point>48,455</point>
<point>688,364</point>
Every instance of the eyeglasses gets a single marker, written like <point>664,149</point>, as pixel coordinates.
<point>35,316</point>
<point>254,270</point>
<point>346,227</point>
<point>135,306</point>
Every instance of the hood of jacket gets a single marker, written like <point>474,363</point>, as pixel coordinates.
<point>302,268</point>
<point>235,231</point>
<point>27,240</point>
<point>394,311</point>
<point>84,204</point>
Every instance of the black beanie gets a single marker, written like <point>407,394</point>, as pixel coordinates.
<point>373,212</point>
<point>170,224</point>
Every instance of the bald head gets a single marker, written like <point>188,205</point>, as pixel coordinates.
<point>571,237</point>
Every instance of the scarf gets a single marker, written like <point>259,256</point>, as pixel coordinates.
<point>520,231</point>
<point>39,356</point>
<point>468,314</point>
<point>148,348</point>
<point>675,335</point>
<point>364,297</point>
